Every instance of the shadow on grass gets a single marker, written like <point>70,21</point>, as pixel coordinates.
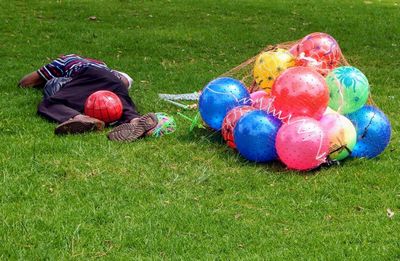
<point>208,136</point>
<point>203,136</point>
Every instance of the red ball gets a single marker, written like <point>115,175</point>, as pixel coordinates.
<point>104,105</point>
<point>230,120</point>
<point>300,91</point>
<point>318,50</point>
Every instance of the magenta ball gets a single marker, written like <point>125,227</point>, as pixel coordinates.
<point>301,144</point>
<point>261,100</point>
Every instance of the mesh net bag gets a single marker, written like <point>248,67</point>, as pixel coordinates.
<point>291,91</point>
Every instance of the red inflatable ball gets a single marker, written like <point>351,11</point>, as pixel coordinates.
<point>104,105</point>
<point>300,91</point>
<point>318,50</point>
<point>229,123</point>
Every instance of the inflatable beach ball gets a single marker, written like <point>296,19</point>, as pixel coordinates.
<point>220,96</point>
<point>348,89</point>
<point>269,65</point>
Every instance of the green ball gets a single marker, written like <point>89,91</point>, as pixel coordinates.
<point>348,89</point>
<point>166,125</point>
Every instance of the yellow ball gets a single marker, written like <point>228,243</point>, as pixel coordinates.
<point>269,65</point>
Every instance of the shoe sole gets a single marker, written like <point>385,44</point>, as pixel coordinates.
<point>133,131</point>
<point>75,127</point>
<point>148,121</point>
<point>126,132</point>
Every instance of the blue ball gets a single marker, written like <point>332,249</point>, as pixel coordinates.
<point>220,96</point>
<point>255,135</point>
<point>373,131</point>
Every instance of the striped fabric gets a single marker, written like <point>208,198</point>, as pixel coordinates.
<point>68,66</point>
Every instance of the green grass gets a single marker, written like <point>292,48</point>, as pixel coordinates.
<point>187,196</point>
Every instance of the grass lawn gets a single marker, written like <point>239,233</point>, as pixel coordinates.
<point>187,195</point>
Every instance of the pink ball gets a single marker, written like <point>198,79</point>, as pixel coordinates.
<point>294,50</point>
<point>261,100</point>
<point>302,144</point>
<point>341,134</point>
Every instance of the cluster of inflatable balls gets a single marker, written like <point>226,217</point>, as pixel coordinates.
<point>310,110</point>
